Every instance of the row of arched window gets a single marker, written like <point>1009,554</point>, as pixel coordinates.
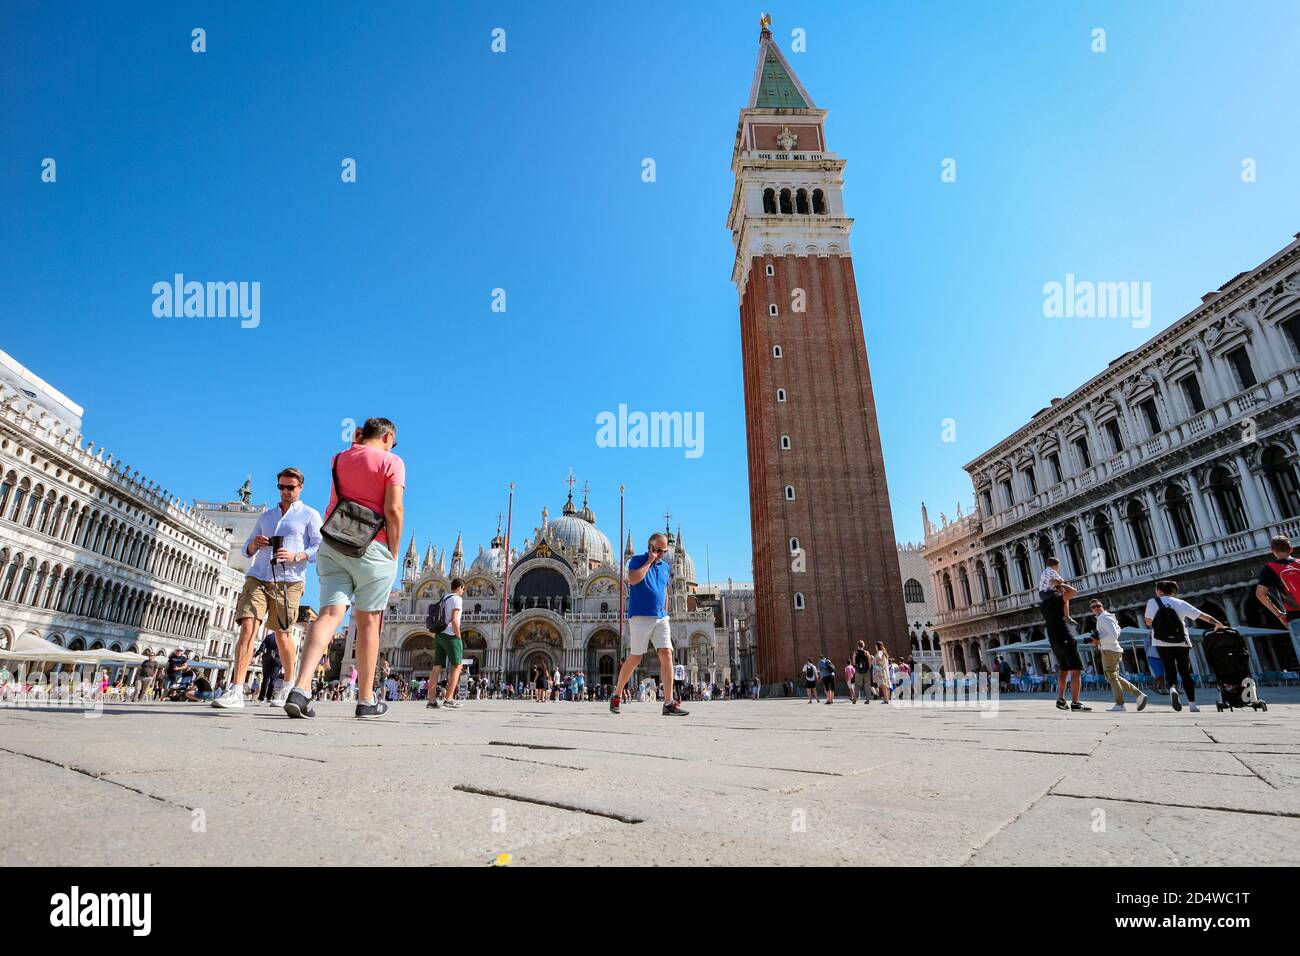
<point>81,525</point>
<point>792,202</point>
<point>1177,400</point>
<point>86,594</point>
<point>1225,511</point>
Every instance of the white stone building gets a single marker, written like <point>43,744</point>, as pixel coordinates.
<point>918,600</point>
<point>92,554</point>
<point>1178,460</point>
<point>734,651</point>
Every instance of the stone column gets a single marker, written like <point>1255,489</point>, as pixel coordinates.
<point>1274,356</point>
<point>1257,513</point>
<point>1207,528</point>
<point>1119,528</point>
<point>1164,543</point>
<point>1211,378</point>
<point>1134,435</point>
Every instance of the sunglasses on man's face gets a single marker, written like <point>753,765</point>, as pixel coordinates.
<point>287,487</point>
<point>660,550</point>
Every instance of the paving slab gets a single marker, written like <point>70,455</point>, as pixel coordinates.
<point>776,782</point>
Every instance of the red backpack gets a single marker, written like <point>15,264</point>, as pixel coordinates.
<point>1289,574</point>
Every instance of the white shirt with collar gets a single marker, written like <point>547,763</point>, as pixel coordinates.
<point>300,528</point>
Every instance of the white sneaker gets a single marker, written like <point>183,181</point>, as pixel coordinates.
<point>231,699</point>
<point>280,693</point>
<point>1193,708</point>
<point>1117,709</point>
<point>453,704</point>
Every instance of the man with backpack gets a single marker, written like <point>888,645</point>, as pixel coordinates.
<point>1165,615</point>
<point>1282,576</point>
<point>448,649</point>
<point>810,680</point>
<point>861,674</point>
<point>826,671</point>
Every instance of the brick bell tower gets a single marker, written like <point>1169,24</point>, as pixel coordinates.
<point>825,560</point>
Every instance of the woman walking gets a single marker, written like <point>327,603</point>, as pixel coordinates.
<point>880,670</point>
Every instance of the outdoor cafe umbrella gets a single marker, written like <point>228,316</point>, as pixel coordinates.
<point>34,649</point>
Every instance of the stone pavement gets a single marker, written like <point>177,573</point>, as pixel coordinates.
<point>777,782</point>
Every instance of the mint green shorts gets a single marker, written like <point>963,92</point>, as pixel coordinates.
<point>363,582</point>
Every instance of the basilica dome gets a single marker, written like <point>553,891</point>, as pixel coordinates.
<point>493,560</point>
<point>579,534</point>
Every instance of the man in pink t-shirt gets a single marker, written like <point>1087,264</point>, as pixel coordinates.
<point>369,474</point>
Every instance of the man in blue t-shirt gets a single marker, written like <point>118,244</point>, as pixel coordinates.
<point>647,619</point>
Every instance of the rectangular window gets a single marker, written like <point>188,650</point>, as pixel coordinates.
<point>1030,481</point>
<point>1292,329</point>
<point>1055,461</point>
<point>1008,495</point>
<point>987,500</point>
<point>1192,392</point>
<point>1085,458</point>
<point>1152,415</point>
<point>1113,433</point>
<point>1240,362</point>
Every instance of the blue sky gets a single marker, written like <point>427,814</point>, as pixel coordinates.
<point>522,171</point>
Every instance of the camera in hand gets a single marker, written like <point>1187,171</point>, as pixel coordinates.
<point>277,542</point>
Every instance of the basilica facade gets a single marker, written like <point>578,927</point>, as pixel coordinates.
<point>561,604</point>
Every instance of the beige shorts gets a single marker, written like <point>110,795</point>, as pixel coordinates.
<point>258,597</point>
<point>644,631</point>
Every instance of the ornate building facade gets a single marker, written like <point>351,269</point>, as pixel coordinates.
<point>825,563</point>
<point>92,554</point>
<point>918,600</point>
<point>561,606</point>
<point>1179,460</point>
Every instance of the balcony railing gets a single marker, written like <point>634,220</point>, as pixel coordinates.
<point>1225,413</point>
<point>1146,570</point>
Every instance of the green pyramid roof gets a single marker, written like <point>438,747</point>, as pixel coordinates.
<point>776,88</point>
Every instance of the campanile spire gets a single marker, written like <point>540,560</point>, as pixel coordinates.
<point>825,562</point>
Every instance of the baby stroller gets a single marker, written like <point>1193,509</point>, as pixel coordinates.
<point>1230,661</point>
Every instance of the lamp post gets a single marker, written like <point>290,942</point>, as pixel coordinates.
<point>742,625</point>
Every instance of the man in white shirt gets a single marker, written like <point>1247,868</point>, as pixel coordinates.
<point>448,648</point>
<point>679,680</point>
<point>1112,655</point>
<point>274,584</point>
<point>1165,615</point>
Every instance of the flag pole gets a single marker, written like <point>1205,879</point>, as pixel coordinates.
<point>505,585</point>
<point>619,552</point>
